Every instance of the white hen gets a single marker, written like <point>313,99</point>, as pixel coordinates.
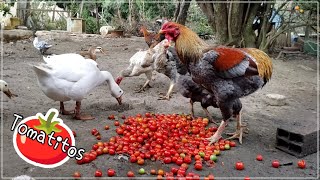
<point>67,77</point>
<point>145,62</point>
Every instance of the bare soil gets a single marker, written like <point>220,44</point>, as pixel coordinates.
<point>295,78</point>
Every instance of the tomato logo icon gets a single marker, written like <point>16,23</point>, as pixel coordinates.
<point>45,141</point>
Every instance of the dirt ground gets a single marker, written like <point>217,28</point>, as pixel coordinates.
<point>295,78</point>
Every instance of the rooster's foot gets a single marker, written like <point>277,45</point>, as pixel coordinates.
<point>213,138</point>
<point>238,134</point>
<point>161,97</point>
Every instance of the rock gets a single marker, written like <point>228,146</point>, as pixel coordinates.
<point>275,100</point>
<point>22,27</point>
<point>23,177</point>
<point>136,103</point>
<point>16,34</point>
<point>305,68</point>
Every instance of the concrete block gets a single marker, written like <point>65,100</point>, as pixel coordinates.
<point>275,100</point>
<point>299,144</point>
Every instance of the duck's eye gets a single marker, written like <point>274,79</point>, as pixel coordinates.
<point>6,85</point>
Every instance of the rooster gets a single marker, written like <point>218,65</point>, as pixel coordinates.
<point>152,39</point>
<point>197,93</point>
<point>228,73</point>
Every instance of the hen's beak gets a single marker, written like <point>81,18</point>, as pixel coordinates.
<point>9,94</point>
<point>119,99</point>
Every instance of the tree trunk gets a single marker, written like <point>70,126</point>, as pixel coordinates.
<point>235,20</point>
<point>221,24</point>
<point>97,17</point>
<point>249,38</point>
<point>81,9</point>
<point>183,12</point>
<point>27,12</point>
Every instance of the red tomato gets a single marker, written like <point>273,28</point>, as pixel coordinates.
<point>187,159</point>
<point>133,159</point>
<point>76,174</point>
<point>106,127</point>
<point>198,166</point>
<point>130,174</point>
<point>111,116</point>
<point>179,161</point>
<point>98,173</point>
<point>140,161</point>
<point>275,163</point>
<point>239,165</point>
<point>210,177</point>
<point>167,160</point>
<point>259,157</point>
<point>232,144</point>
<point>301,164</point>
<point>119,131</point>
<point>111,172</point>
<point>247,178</point>
<point>174,170</point>
<point>94,131</point>
<point>153,172</point>
<point>116,123</point>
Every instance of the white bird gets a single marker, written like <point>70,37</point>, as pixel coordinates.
<point>67,77</point>
<point>42,46</point>
<point>5,89</point>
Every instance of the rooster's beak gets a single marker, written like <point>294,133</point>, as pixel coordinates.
<point>119,99</point>
<point>162,31</point>
<point>9,94</point>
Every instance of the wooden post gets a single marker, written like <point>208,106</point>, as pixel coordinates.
<point>54,10</point>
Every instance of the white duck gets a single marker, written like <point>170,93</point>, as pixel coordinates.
<point>42,46</point>
<point>67,77</point>
<point>5,89</point>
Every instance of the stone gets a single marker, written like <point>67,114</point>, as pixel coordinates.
<point>275,100</point>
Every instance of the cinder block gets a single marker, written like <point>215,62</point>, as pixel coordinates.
<point>299,144</point>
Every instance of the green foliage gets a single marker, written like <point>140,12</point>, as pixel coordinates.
<point>151,10</point>
<point>4,9</point>
<point>197,21</point>
<point>91,23</point>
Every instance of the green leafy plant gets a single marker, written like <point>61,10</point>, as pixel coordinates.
<point>4,9</point>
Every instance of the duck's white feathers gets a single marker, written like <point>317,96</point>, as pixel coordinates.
<point>69,76</point>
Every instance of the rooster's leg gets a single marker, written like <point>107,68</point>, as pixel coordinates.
<point>217,135</point>
<point>63,111</point>
<point>144,86</point>
<point>167,96</point>
<point>209,116</point>
<point>78,116</point>
<point>191,109</point>
<point>149,77</point>
<point>240,129</point>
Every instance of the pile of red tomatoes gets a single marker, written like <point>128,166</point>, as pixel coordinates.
<point>170,138</point>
